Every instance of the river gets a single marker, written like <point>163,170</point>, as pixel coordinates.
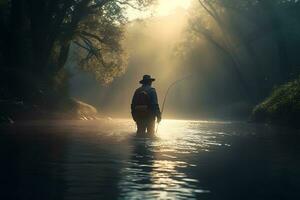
<point>188,160</point>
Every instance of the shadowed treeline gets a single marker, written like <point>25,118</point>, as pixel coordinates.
<point>38,37</point>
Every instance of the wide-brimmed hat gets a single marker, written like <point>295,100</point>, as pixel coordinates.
<point>147,79</point>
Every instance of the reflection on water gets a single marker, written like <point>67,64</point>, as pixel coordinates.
<point>151,175</point>
<point>187,160</point>
<point>152,170</point>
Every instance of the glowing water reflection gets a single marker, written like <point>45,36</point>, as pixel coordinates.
<point>156,168</point>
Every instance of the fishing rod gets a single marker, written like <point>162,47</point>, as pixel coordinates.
<point>166,95</point>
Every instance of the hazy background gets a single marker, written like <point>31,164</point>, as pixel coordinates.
<point>151,46</point>
<point>165,45</point>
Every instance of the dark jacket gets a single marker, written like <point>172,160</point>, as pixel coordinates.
<point>154,107</point>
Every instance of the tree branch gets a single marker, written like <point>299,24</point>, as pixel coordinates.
<point>92,35</point>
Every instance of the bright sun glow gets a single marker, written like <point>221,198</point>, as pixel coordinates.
<point>162,8</point>
<point>166,7</point>
<point>168,128</point>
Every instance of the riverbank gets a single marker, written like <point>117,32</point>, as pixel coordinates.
<point>14,110</point>
<point>282,107</point>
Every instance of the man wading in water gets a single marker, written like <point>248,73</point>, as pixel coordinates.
<point>144,107</point>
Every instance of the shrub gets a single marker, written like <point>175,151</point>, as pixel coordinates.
<point>281,107</point>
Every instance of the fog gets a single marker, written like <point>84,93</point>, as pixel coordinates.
<point>151,46</point>
<point>233,64</point>
<point>154,47</point>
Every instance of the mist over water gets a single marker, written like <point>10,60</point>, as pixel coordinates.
<point>154,47</point>
<point>151,46</point>
<point>235,63</point>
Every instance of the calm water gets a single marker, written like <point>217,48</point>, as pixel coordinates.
<point>188,160</point>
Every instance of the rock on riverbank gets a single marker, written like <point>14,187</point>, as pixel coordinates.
<point>12,110</point>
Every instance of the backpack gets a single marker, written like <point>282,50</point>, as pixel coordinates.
<point>142,103</point>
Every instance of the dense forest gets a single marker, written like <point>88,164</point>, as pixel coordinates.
<point>38,37</point>
<point>238,52</point>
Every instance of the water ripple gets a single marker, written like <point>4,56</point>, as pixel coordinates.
<point>156,168</point>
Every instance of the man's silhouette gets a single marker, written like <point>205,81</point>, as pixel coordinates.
<point>144,107</point>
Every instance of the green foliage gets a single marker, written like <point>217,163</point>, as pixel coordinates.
<point>282,106</point>
<point>37,37</point>
<point>99,44</point>
<point>99,39</point>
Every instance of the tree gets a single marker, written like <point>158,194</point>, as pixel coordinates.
<point>236,28</point>
<point>273,18</point>
<point>37,38</point>
<point>209,23</point>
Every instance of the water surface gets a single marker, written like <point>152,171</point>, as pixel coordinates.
<point>187,160</point>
